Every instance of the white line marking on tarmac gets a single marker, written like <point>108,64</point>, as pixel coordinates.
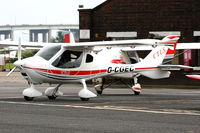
<point>10,97</point>
<point>105,108</point>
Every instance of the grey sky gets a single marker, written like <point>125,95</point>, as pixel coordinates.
<point>42,11</point>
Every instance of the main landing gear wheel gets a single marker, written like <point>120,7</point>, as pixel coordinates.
<point>84,99</point>
<point>52,97</point>
<point>136,93</point>
<point>98,85</point>
<point>28,98</point>
<point>52,92</point>
<point>99,92</point>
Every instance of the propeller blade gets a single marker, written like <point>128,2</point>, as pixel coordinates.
<point>19,56</point>
<point>19,50</point>
<point>11,71</point>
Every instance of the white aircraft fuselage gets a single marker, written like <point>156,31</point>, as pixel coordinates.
<point>87,65</point>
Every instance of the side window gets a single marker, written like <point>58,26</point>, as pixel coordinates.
<point>133,56</point>
<point>69,59</point>
<point>89,58</point>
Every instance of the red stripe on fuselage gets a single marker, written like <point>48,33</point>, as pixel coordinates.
<point>62,72</point>
<point>86,72</point>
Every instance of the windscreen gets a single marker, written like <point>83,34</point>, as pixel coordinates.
<point>49,51</point>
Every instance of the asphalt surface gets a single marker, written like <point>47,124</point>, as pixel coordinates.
<point>159,110</point>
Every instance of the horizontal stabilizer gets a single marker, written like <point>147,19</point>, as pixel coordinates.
<point>174,67</point>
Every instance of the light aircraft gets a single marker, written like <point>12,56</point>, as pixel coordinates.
<point>61,63</point>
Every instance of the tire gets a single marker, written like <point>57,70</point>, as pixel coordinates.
<point>99,92</point>
<point>28,98</point>
<point>52,97</point>
<point>84,99</point>
<point>136,93</point>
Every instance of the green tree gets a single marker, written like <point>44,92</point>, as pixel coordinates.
<point>28,53</point>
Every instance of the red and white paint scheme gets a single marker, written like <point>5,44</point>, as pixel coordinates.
<point>61,63</point>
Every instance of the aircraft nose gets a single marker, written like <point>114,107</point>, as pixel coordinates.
<point>19,63</point>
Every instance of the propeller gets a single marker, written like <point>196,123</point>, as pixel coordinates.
<point>19,56</point>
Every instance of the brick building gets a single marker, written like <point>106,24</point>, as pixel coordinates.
<point>128,19</point>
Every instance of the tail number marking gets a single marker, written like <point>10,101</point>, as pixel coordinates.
<point>120,69</point>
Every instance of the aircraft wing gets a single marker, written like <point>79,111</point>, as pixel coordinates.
<point>188,46</point>
<point>115,43</point>
<point>7,43</point>
<point>134,45</point>
<point>126,45</point>
<point>137,48</point>
<point>180,46</point>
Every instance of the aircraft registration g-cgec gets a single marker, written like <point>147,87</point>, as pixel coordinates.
<point>61,63</point>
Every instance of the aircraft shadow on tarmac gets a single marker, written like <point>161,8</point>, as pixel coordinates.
<point>150,101</point>
<point>76,99</point>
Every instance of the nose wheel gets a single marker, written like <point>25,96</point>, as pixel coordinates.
<point>85,94</point>
<point>30,93</point>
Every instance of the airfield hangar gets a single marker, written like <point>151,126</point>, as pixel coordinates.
<point>129,19</point>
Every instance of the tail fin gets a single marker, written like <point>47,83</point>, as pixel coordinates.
<point>69,38</point>
<point>170,41</point>
<point>164,50</point>
<point>157,56</point>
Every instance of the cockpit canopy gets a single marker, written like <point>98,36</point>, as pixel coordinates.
<point>49,51</point>
<point>66,59</point>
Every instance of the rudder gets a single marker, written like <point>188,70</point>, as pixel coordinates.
<point>170,41</point>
